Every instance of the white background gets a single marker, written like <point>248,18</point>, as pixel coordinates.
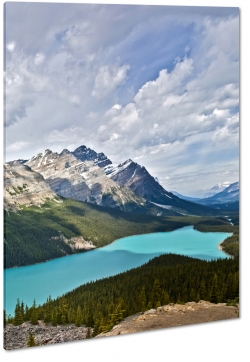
<point>218,341</point>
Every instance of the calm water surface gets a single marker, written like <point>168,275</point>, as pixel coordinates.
<point>61,275</point>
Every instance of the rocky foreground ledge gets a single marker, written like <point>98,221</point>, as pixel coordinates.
<point>173,315</point>
<point>170,315</point>
<point>16,337</point>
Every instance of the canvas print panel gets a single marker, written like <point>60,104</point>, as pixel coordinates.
<point>121,174</point>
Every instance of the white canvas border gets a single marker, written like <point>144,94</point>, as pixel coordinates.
<point>211,341</point>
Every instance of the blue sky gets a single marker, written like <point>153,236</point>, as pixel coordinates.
<point>156,84</point>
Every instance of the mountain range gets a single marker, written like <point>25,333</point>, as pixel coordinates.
<point>57,204</point>
<point>88,176</point>
<point>24,186</point>
<point>228,198</point>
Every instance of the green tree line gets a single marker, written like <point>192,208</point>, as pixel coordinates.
<point>165,279</point>
<point>28,233</point>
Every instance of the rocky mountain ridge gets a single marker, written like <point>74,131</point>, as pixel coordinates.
<point>84,153</point>
<point>88,176</point>
<point>139,180</point>
<point>219,187</point>
<point>24,186</point>
<point>229,195</point>
<point>70,177</point>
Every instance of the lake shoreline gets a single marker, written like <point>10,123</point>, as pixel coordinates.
<point>96,248</point>
<point>29,282</point>
<point>100,247</point>
<point>221,249</point>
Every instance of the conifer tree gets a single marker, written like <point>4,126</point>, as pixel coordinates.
<point>202,290</point>
<point>18,319</point>
<point>179,299</point>
<point>31,341</point>
<point>89,334</point>
<point>62,316</point>
<point>117,316</point>
<point>214,294</point>
<point>114,317</point>
<point>192,295</point>
<point>89,313</point>
<point>98,317</point>
<point>54,318</point>
<point>229,288</point>
<point>165,298</point>
<point>27,313</point>
<point>142,300</point>
<point>48,310</point>
<point>22,309</point>
<point>97,327</point>
<point>235,285</point>
<point>156,294</point>
<point>149,305</point>
<point>34,316</point>
<point>103,326</point>
<point>78,320</point>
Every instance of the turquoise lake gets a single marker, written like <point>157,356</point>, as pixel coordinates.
<point>61,275</point>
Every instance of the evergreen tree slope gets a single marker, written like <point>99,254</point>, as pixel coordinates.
<point>36,234</point>
<point>165,279</point>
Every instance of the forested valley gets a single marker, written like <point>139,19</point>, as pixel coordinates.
<point>165,279</point>
<point>30,234</point>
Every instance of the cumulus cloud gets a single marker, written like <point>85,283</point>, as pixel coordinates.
<point>117,106</point>
<point>108,78</point>
<point>11,46</point>
<point>17,146</point>
<point>39,58</point>
<point>162,88</point>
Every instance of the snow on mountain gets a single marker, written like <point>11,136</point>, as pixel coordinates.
<point>215,189</point>
<point>86,154</point>
<point>85,180</point>
<point>89,176</point>
<point>229,195</point>
<point>138,179</point>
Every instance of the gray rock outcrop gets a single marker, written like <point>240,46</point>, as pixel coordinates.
<point>82,180</point>
<point>23,186</point>
<point>16,337</point>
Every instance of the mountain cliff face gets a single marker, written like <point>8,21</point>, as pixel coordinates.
<point>24,186</point>
<point>85,175</point>
<point>86,154</point>
<point>82,180</point>
<point>138,179</point>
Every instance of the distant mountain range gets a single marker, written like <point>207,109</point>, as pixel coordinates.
<point>62,203</point>
<point>188,198</point>
<point>205,193</point>
<point>228,198</point>
<point>86,175</point>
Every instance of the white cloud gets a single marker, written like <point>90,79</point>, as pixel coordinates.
<point>39,58</point>
<point>114,136</point>
<point>117,106</point>
<point>67,84</point>
<point>11,46</point>
<point>108,78</point>
<point>17,146</point>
